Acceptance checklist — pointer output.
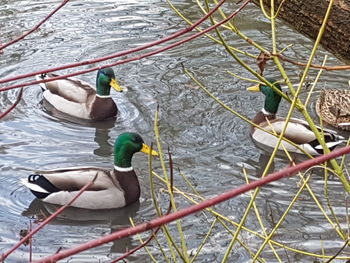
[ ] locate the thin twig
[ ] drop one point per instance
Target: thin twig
(30, 242)
(233, 223)
(123, 53)
(154, 233)
(347, 214)
(19, 97)
(289, 171)
(340, 250)
(47, 220)
(34, 28)
(328, 68)
(183, 254)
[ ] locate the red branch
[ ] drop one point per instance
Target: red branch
(30, 242)
(35, 28)
(128, 59)
(19, 97)
(119, 54)
(289, 171)
(46, 221)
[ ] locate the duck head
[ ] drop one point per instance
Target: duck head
(126, 145)
(105, 80)
(272, 98)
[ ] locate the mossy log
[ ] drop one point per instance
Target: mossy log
(306, 17)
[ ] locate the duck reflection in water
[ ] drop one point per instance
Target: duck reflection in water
(103, 128)
(105, 149)
(115, 219)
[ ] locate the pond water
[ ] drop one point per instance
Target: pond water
(209, 144)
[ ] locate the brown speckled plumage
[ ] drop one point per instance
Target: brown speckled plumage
(333, 106)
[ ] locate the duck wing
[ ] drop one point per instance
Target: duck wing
(299, 132)
(71, 89)
(75, 178)
(60, 186)
(296, 131)
(103, 199)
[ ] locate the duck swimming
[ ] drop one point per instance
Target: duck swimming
(333, 106)
(79, 99)
(111, 189)
(298, 131)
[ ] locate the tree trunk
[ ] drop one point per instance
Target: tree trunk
(306, 17)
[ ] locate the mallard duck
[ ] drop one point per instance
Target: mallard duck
(333, 106)
(79, 99)
(111, 189)
(298, 131)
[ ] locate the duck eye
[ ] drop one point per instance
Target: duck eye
(137, 140)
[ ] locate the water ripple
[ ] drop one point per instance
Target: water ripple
(210, 145)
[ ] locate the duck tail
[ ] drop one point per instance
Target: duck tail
(331, 145)
(344, 125)
(41, 77)
(39, 186)
(332, 141)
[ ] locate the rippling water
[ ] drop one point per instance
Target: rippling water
(209, 144)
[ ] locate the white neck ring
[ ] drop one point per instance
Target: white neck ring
(265, 112)
(104, 96)
(123, 169)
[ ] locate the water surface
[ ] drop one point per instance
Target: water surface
(209, 144)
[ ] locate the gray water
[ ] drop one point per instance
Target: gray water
(209, 144)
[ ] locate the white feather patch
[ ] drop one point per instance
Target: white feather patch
(72, 108)
(123, 169)
(266, 139)
(344, 124)
(104, 96)
(329, 144)
(294, 132)
(33, 187)
(325, 130)
(265, 112)
(270, 141)
(42, 85)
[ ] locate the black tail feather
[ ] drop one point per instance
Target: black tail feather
(43, 183)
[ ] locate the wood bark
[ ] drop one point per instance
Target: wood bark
(306, 17)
